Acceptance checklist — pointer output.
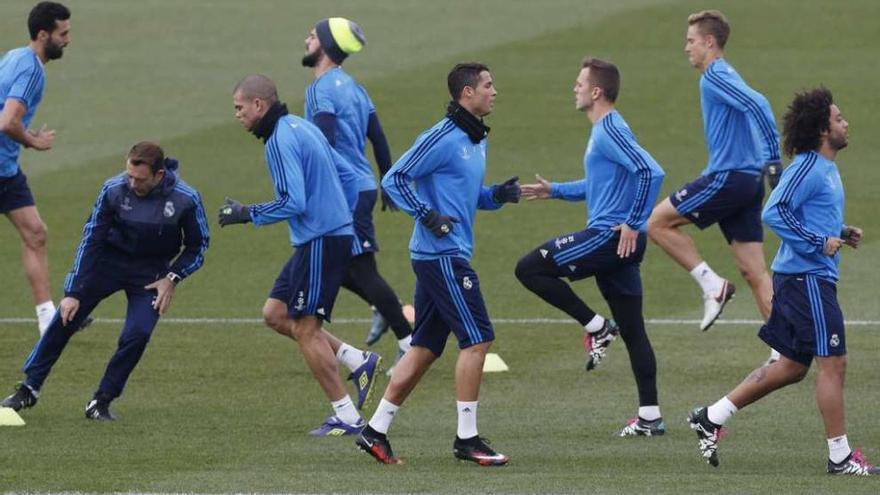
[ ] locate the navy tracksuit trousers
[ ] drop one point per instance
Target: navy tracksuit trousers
(116, 272)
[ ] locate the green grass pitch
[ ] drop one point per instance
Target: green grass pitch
(219, 408)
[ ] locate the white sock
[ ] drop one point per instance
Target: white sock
(349, 356)
(595, 324)
(838, 449)
(649, 413)
(467, 419)
(774, 355)
(721, 411)
(383, 416)
(405, 343)
(344, 409)
(709, 281)
(45, 313)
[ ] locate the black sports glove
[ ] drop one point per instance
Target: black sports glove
(232, 212)
(387, 202)
(773, 171)
(508, 192)
(439, 225)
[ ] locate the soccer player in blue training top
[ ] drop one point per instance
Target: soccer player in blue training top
(447, 164)
(342, 109)
(147, 232)
(741, 136)
(806, 323)
(22, 78)
(314, 193)
(621, 182)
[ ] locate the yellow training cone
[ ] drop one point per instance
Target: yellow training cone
(494, 362)
(8, 417)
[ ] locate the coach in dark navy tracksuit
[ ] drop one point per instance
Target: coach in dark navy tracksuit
(132, 241)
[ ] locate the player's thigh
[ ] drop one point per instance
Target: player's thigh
(665, 215)
(28, 222)
(624, 280)
(581, 254)
(140, 316)
(430, 330)
(15, 193)
(744, 225)
(454, 289)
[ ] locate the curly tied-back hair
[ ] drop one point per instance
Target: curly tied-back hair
(808, 116)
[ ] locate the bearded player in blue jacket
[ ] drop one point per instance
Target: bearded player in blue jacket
(806, 323)
(447, 163)
(344, 112)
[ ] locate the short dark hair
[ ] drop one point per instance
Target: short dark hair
(257, 86)
(711, 22)
(808, 115)
(603, 75)
(44, 15)
(464, 75)
(147, 153)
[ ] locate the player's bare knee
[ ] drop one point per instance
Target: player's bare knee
(752, 275)
(481, 348)
(799, 374)
(836, 365)
(794, 372)
(655, 227)
(35, 236)
(304, 329)
(275, 318)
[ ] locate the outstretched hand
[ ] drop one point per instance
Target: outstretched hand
(539, 190)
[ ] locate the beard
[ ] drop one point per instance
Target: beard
(311, 59)
(838, 142)
(53, 51)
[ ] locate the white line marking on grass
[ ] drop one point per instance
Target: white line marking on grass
(506, 321)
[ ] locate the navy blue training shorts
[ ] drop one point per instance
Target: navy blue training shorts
(729, 198)
(448, 298)
(15, 192)
(310, 280)
(805, 320)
